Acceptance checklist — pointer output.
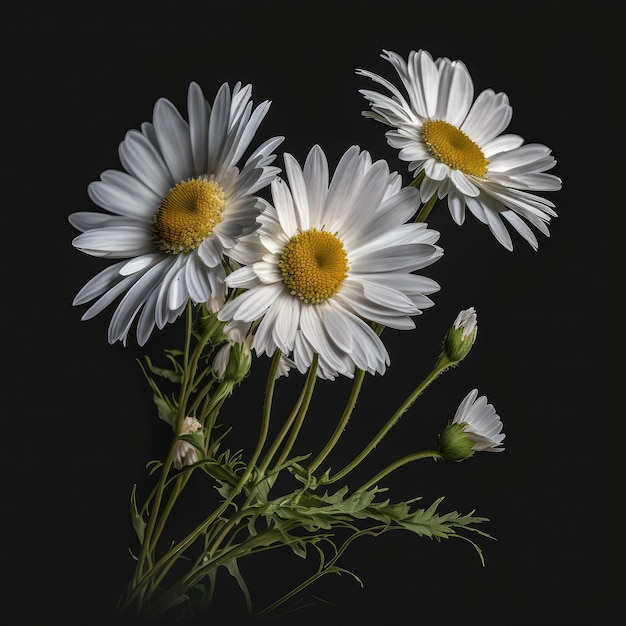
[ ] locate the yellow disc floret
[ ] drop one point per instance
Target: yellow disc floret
(453, 147)
(188, 214)
(314, 265)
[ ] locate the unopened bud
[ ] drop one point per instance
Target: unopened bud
(454, 444)
(461, 336)
(233, 361)
(186, 453)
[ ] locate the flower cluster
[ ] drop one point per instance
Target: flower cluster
(306, 264)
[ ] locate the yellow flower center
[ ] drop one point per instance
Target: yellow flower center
(453, 147)
(188, 214)
(314, 265)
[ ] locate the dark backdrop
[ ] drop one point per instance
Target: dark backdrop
(79, 425)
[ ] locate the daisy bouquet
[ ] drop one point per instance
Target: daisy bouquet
(302, 266)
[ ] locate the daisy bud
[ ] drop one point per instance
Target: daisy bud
(476, 427)
(186, 453)
(461, 336)
(233, 361)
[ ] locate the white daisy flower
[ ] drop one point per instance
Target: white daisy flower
(328, 258)
(480, 423)
(455, 143)
(180, 205)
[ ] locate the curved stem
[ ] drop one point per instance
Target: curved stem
(341, 426)
(442, 364)
(392, 467)
(299, 410)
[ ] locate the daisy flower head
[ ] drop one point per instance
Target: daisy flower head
(332, 254)
(181, 202)
(476, 427)
(454, 144)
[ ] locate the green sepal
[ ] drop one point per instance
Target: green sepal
(454, 444)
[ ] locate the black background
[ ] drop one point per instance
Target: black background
(78, 421)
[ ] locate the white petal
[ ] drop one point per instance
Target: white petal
(104, 281)
(251, 304)
(298, 189)
(244, 277)
(134, 299)
(199, 111)
(196, 279)
(115, 242)
(210, 251)
(502, 143)
(218, 126)
(489, 116)
(316, 178)
(123, 194)
(142, 160)
(285, 208)
(268, 272)
(140, 263)
(463, 183)
(173, 135)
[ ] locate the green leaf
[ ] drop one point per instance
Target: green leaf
(165, 410)
(233, 570)
(174, 376)
(138, 523)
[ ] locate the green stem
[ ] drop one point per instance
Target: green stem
(147, 547)
(202, 394)
(424, 212)
(416, 456)
(300, 411)
(251, 545)
(328, 568)
(442, 364)
(211, 417)
(226, 528)
(177, 489)
(139, 587)
(341, 426)
(417, 181)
